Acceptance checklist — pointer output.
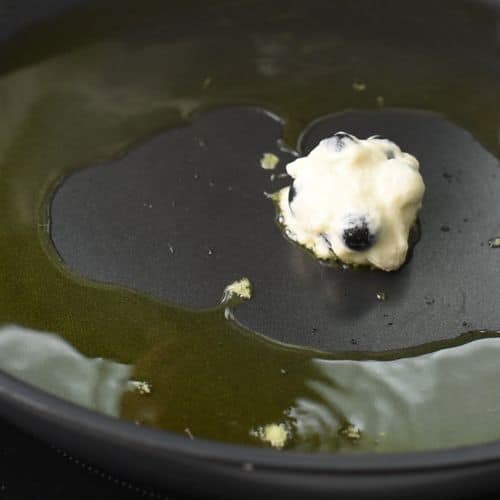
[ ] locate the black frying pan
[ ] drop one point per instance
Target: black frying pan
(455, 277)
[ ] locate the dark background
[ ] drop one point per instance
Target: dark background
(31, 470)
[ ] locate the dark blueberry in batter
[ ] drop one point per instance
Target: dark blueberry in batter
(343, 139)
(340, 139)
(390, 154)
(291, 193)
(357, 236)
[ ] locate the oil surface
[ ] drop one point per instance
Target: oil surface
(88, 86)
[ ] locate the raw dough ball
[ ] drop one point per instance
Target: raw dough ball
(353, 200)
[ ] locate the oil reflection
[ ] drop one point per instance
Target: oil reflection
(439, 399)
(50, 363)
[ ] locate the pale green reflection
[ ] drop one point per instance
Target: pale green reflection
(444, 398)
(50, 363)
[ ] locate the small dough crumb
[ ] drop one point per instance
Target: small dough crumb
(494, 242)
(351, 432)
(241, 288)
(275, 434)
(269, 161)
(140, 386)
(359, 86)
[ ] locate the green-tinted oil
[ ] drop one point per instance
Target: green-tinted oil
(88, 86)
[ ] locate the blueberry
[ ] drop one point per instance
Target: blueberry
(292, 192)
(358, 235)
(389, 154)
(339, 140)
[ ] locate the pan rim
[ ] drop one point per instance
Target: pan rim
(30, 401)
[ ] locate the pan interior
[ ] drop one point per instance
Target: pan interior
(130, 131)
(185, 213)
